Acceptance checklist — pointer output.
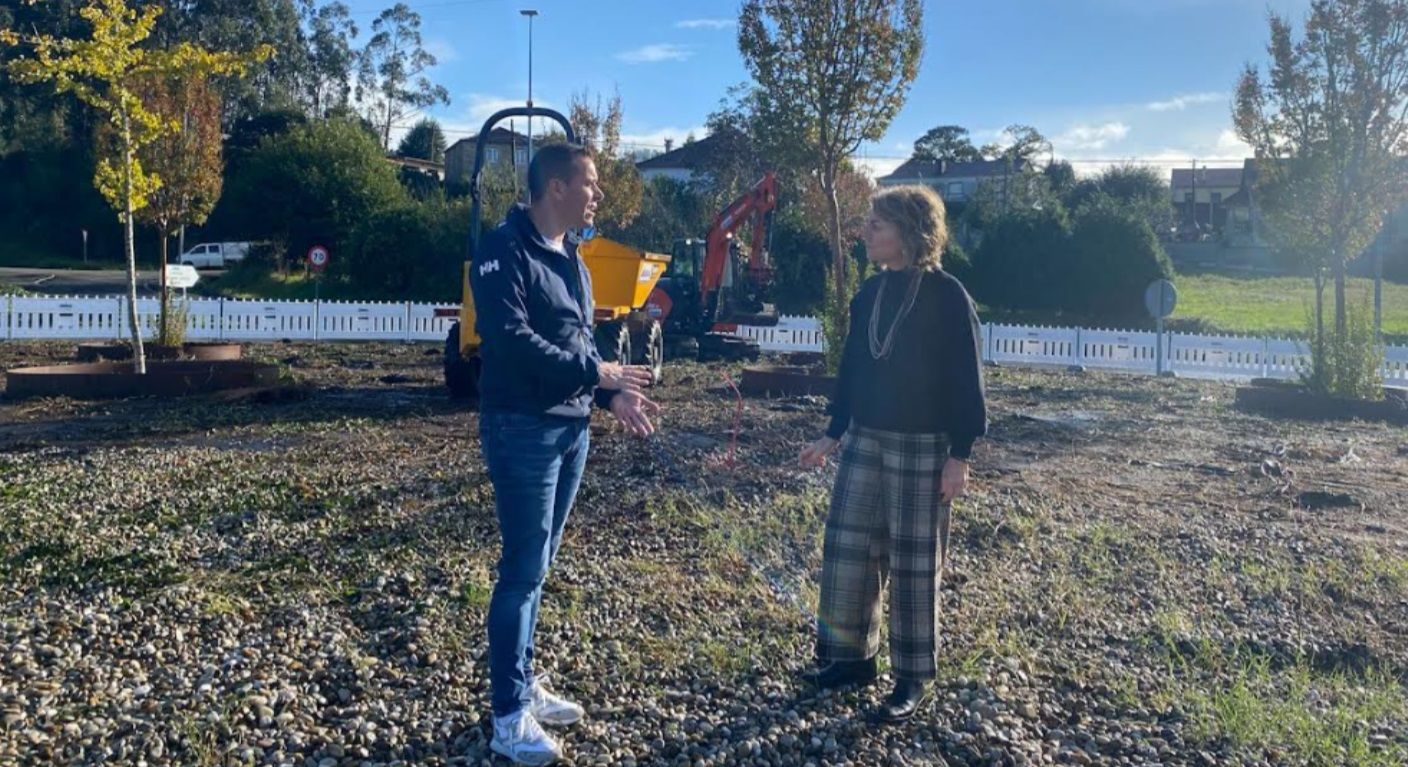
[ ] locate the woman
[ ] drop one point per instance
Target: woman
(909, 404)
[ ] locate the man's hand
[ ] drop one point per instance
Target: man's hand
(954, 480)
(633, 410)
(618, 377)
(815, 453)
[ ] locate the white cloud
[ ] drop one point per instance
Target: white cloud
(467, 121)
(705, 24)
(1229, 145)
(1090, 137)
(650, 54)
(443, 51)
(1164, 160)
(1182, 102)
(655, 140)
(875, 167)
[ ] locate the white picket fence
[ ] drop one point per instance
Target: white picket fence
(1194, 356)
(105, 317)
(215, 319)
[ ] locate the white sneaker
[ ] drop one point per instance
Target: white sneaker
(519, 737)
(550, 709)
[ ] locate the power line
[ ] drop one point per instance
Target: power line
(1202, 161)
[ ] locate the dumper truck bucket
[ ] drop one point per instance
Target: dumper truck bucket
(622, 276)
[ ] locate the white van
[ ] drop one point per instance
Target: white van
(215, 255)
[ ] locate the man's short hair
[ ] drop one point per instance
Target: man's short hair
(554, 161)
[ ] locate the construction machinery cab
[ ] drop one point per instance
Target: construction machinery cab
(711, 288)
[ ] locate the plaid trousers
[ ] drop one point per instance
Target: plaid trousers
(886, 523)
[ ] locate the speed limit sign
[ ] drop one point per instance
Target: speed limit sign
(317, 258)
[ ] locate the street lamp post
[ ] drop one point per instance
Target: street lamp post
(530, 13)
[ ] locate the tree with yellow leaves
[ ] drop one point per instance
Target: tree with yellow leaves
(106, 71)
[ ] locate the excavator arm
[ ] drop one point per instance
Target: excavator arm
(753, 206)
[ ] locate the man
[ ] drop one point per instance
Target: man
(541, 373)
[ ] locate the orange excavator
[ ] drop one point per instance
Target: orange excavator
(710, 288)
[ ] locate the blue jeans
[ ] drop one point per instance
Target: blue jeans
(535, 463)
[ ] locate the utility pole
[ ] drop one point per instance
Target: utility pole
(1193, 204)
(530, 13)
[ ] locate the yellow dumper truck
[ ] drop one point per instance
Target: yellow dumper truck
(622, 279)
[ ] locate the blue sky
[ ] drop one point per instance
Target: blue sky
(1106, 80)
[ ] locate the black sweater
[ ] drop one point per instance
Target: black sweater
(932, 381)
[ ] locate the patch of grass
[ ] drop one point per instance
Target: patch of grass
(21, 256)
(1322, 719)
(1271, 305)
(474, 592)
(1230, 303)
(254, 280)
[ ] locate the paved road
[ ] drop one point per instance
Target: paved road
(81, 282)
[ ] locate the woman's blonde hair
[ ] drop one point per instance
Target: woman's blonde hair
(918, 213)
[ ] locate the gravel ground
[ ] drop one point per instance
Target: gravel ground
(1141, 574)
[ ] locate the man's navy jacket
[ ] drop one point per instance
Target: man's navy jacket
(533, 312)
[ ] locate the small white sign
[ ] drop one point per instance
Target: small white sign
(181, 276)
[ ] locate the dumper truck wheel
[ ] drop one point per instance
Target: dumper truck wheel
(613, 342)
(650, 351)
(461, 374)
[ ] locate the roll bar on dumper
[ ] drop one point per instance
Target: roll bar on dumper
(622, 281)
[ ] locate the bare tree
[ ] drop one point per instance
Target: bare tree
(392, 83)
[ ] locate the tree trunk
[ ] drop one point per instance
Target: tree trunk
(165, 237)
(139, 354)
(833, 215)
(1341, 321)
(1319, 365)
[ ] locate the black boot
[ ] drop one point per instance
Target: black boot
(908, 696)
(839, 673)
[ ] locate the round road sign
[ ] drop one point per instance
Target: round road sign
(317, 257)
(1160, 298)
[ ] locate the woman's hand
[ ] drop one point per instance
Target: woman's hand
(954, 480)
(815, 453)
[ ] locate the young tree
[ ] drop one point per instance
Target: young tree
(186, 158)
(842, 69)
(425, 140)
(331, 58)
(105, 71)
(946, 142)
(1327, 126)
(392, 81)
(600, 129)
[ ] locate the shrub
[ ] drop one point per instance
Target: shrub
(1018, 265)
(1113, 257)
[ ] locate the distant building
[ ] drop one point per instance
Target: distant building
(1205, 198)
(684, 163)
(956, 182)
(503, 148)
